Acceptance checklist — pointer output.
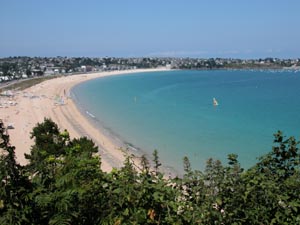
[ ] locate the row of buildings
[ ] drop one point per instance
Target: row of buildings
(12, 68)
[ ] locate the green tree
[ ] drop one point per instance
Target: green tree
(49, 144)
(78, 197)
(156, 161)
(66, 176)
(272, 185)
(15, 188)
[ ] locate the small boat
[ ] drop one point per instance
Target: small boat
(215, 102)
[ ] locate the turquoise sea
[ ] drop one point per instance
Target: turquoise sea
(173, 112)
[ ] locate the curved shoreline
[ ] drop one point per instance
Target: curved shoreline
(41, 100)
(124, 147)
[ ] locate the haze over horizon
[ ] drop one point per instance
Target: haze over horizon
(235, 29)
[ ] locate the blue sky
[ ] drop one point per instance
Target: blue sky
(134, 28)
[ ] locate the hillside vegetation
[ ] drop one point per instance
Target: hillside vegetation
(63, 184)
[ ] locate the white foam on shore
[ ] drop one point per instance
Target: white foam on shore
(90, 114)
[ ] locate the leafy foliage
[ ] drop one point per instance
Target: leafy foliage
(64, 184)
(15, 187)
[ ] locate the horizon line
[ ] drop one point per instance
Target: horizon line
(159, 57)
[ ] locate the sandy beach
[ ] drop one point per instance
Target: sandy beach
(51, 99)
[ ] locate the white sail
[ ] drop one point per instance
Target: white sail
(215, 102)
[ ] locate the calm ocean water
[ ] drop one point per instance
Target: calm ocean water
(173, 112)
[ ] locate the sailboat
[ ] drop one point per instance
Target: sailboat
(215, 102)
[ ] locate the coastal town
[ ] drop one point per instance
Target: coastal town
(15, 68)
